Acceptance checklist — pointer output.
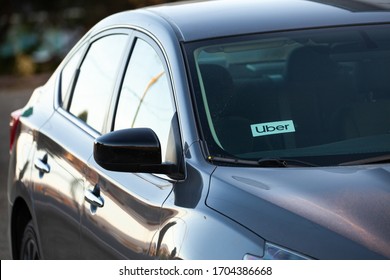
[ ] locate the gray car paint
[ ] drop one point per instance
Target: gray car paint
(324, 212)
(344, 216)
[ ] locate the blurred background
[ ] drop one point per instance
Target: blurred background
(36, 34)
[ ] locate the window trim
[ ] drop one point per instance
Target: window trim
(161, 54)
(87, 43)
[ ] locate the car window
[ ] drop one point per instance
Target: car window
(96, 80)
(145, 99)
(68, 73)
(319, 96)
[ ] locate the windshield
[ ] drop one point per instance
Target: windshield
(322, 96)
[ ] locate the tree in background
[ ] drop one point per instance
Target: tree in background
(36, 34)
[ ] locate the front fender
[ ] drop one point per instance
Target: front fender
(205, 235)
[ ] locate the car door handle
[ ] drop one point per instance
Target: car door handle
(93, 197)
(42, 165)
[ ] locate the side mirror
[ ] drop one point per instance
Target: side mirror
(131, 150)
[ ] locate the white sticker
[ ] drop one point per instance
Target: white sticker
(263, 129)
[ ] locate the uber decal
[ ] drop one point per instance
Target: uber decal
(263, 129)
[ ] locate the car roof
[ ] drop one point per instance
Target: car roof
(197, 20)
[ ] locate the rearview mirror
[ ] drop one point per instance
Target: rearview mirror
(131, 150)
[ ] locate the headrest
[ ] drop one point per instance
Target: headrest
(310, 64)
(218, 85)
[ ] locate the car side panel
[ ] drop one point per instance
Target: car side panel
(131, 215)
(197, 231)
(59, 192)
(20, 201)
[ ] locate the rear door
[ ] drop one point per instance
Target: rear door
(57, 176)
(130, 213)
(65, 142)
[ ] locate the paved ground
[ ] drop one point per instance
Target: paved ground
(14, 93)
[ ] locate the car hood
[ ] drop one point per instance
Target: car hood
(325, 213)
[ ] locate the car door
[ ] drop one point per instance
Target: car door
(124, 210)
(57, 177)
(64, 143)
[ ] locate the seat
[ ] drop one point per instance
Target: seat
(370, 114)
(231, 131)
(314, 93)
(367, 119)
(219, 88)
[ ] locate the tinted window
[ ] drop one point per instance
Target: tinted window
(68, 72)
(145, 99)
(96, 80)
(321, 96)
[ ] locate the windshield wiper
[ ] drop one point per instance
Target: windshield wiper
(264, 162)
(284, 162)
(370, 160)
(232, 160)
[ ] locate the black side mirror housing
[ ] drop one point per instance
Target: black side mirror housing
(131, 150)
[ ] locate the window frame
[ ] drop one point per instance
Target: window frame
(157, 48)
(211, 148)
(63, 107)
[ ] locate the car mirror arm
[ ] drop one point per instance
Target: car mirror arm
(163, 168)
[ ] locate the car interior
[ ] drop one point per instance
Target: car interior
(331, 90)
